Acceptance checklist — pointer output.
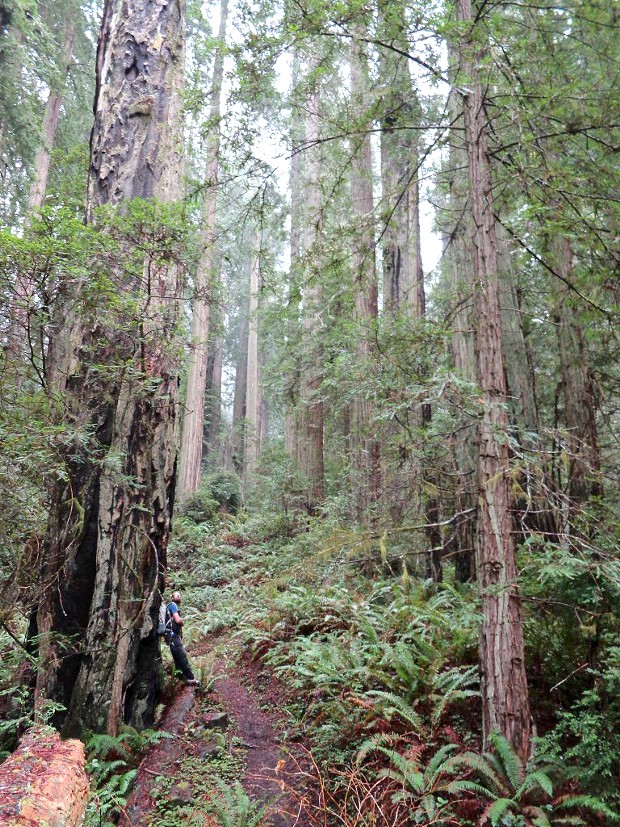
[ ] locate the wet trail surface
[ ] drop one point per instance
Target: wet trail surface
(237, 725)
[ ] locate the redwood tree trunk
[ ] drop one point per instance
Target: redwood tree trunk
(190, 459)
(311, 460)
(291, 394)
(253, 399)
(366, 449)
(505, 701)
(238, 413)
(19, 335)
(579, 410)
(50, 123)
(108, 533)
(403, 279)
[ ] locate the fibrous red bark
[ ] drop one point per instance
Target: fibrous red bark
(505, 701)
(110, 518)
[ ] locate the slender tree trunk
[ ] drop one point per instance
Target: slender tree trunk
(579, 410)
(253, 404)
(50, 123)
(403, 278)
(190, 460)
(505, 700)
(311, 459)
(291, 400)
(108, 533)
(367, 450)
(238, 414)
(519, 370)
(19, 336)
(214, 406)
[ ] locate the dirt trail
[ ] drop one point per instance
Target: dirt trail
(268, 767)
(228, 728)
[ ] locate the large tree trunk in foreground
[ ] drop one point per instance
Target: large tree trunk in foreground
(505, 701)
(118, 378)
(190, 459)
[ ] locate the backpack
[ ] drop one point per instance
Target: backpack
(164, 619)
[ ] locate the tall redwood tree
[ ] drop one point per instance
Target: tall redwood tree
(106, 543)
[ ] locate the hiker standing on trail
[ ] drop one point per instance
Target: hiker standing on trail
(174, 638)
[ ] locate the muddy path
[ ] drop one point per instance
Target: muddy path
(224, 744)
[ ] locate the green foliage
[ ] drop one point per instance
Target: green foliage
(234, 808)
(220, 491)
(112, 765)
(519, 794)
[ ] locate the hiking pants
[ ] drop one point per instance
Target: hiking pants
(179, 655)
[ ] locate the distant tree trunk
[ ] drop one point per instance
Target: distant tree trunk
(311, 461)
(505, 700)
(291, 401)
(213, 422)
(190, 459)
(50, 122)
(367, 449)
(519, 371)
(579, 410)
(253, 399)
(403, 279)
(19, 334)
(238, 413)
(107, 537)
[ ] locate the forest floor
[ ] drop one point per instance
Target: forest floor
(225, 750)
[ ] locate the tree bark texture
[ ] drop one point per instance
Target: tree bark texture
(190, 459)
(311, 459)
(367, 449)
(505, 700)
(519, 371)
(108, 533)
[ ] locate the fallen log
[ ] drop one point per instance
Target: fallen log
(44, 782)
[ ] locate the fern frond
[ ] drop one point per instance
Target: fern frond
(438, 766)
(587, 802)
(409, 777)
(452, 684)
(535, 779)
(479, 764)
(102, 745)
(463, 785)
(496, 810)
(391, 704)
(376, 742)
(510, 761)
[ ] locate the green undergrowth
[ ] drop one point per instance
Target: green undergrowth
(381, 670)
(182, 789)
